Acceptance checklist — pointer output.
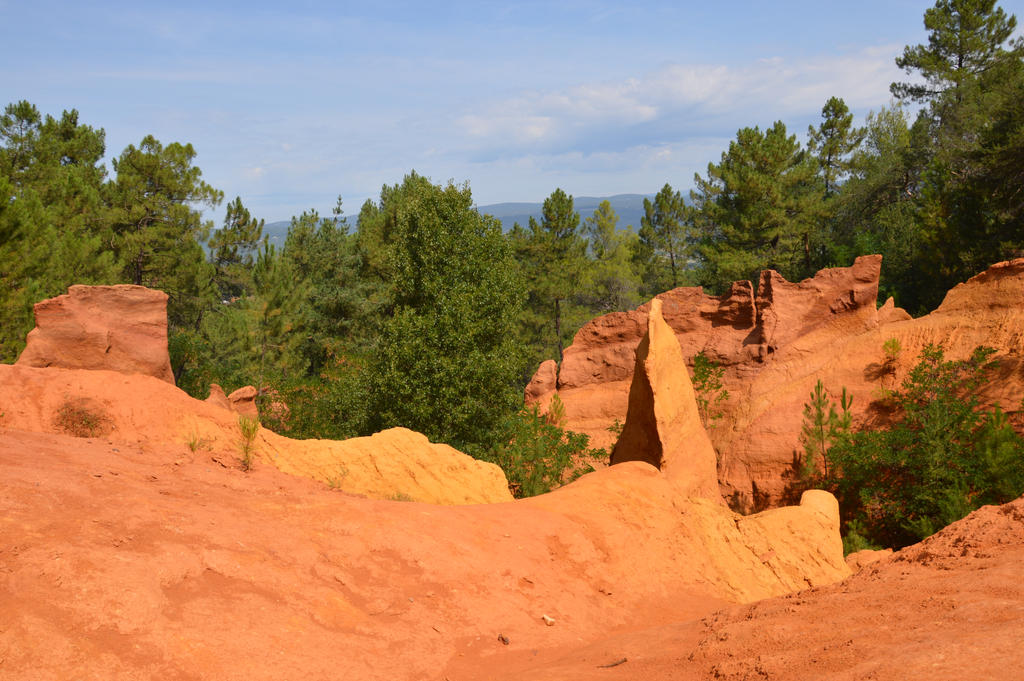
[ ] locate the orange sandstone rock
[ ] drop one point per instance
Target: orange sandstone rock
(662, 424)
(145, 412)
(776, 345)
(119, 328)
(243, 401)
(217, 397)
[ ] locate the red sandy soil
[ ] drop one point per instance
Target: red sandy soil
(951, 607)
(141, 561)
(121, 562)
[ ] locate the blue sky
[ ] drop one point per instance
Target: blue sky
(288, 108)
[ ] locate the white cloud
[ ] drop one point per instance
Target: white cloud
(676, 97)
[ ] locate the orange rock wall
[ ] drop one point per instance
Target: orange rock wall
(775, 345)
(118, 328)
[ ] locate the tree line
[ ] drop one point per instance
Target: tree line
(421, 312)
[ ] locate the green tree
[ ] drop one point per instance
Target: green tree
(757, 208)
(823, 427)
(447, 361)
(970, 69)
(833, 142)
(233, 250)
(943, 456)
(53, 220)
(708, 388)
(664, 235)
(552, 258)
(156, 222)
(965, 39)
(611, 284)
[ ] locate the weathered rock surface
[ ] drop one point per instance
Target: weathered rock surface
(142, 560)
(662, 424)
(858, 560)
(143, 411)
(217, 397)
(947, 608)
(118, 328)
(243, 401)
(776, 345)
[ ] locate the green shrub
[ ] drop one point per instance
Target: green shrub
(708, 389)
(249, 428)
(537, 455)
(942, 458)
(822, 428)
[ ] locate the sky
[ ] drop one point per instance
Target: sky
(289, 108)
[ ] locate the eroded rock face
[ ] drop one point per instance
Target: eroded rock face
(662, 425)
(243, 401)
(146, 412)
(117, 328)
(775, 345)
(217, 397)
(543, 384)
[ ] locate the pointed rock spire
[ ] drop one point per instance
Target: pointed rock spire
(663, 426)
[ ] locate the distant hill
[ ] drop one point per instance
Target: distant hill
(629, 208)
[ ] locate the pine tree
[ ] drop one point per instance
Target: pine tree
(664, 234)
(552, 257)
(965, 39)
(233, 250)
(756, 208)
(610, 282)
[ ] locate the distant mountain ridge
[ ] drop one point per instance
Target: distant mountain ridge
(629, 208)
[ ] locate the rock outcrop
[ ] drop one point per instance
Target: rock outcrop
(947, 608)
(117, 328)
(775, 345)
(243, 401)
(144, 412)
(133, 560)
(662, 425)
(217, 397)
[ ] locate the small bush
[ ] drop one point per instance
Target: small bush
(249, 428)
(537, 455)
(942, 458)
(892, 349)
(80, 417)
(708, 388)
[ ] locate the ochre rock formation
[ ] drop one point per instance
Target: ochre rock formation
(947, 608)
(217, 397)
(543, 384)
(662, 425)
(775, 345)
(128, 553)
(137, 560)
(243, 401)
(145, 412)
(119, 328)
(858, 560)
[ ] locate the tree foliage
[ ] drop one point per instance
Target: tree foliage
(943, 456)
(666, 238)
(757, 208)
(447, 361)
